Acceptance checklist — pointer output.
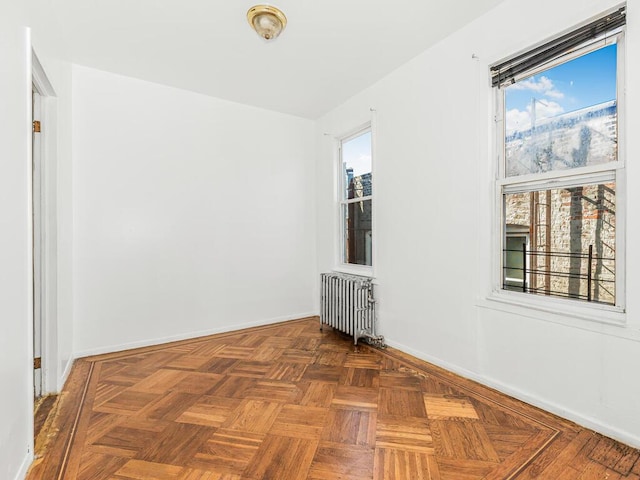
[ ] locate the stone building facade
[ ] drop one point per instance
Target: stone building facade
(559, 229)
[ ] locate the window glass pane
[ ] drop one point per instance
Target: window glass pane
(356, 164)
(564, 117)
(357, 241)
(571, 236)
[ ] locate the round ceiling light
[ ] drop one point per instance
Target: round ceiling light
(267, 21)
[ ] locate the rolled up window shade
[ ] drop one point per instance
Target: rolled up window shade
(506, 72)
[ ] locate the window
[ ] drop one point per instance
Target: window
(356, 194)
(516, 243)
(558, 120)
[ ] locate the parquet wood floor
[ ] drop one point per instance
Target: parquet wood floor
(288, 402)
(41, 410)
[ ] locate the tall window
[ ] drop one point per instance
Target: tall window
(558, 120)
(356, 198)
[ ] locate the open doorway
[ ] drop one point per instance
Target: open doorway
(44, 221)
(44, 207)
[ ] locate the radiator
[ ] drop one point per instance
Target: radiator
(347, 304)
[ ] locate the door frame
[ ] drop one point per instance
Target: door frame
(45, 286)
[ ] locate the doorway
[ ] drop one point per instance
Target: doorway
(44, 228)
(45, 271)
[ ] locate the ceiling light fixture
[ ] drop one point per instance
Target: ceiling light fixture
(267, 21)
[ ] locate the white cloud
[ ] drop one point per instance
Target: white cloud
(554, 94)
(519, 120)
(547, 109)
(543, 86)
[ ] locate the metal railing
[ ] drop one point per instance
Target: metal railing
(578, 281)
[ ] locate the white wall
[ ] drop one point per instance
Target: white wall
(64, 234)
(16, 423)
(192, 214)
(433, 194)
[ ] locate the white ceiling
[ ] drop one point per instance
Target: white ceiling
(330, 50)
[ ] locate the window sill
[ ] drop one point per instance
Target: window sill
(593, 312)
(605, 319)
(362, 270)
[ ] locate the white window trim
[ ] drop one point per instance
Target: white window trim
(340, 264)
(593, 312)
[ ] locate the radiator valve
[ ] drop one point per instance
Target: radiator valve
(374, 340)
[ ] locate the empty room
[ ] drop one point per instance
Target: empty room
(319, 240)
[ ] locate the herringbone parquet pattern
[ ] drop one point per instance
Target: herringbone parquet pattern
(289, 402)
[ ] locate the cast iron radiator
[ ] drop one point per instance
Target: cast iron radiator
(347, 304)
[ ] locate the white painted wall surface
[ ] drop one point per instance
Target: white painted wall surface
(16, 421)
(64, 305)
(433, 193)
(192, 215)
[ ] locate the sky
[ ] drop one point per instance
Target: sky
(357, 154)
(579, 83)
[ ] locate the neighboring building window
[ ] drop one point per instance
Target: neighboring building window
(558, 123)
(516, 244)
(356, 194)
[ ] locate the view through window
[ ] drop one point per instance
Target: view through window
(356, 199)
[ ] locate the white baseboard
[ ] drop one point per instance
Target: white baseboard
(187, 336)
(24, 467)
(65, 374)
(583, 420)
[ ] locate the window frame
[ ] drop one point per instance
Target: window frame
(340, 259)
(587, 175)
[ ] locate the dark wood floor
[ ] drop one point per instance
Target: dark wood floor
(288, 402)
